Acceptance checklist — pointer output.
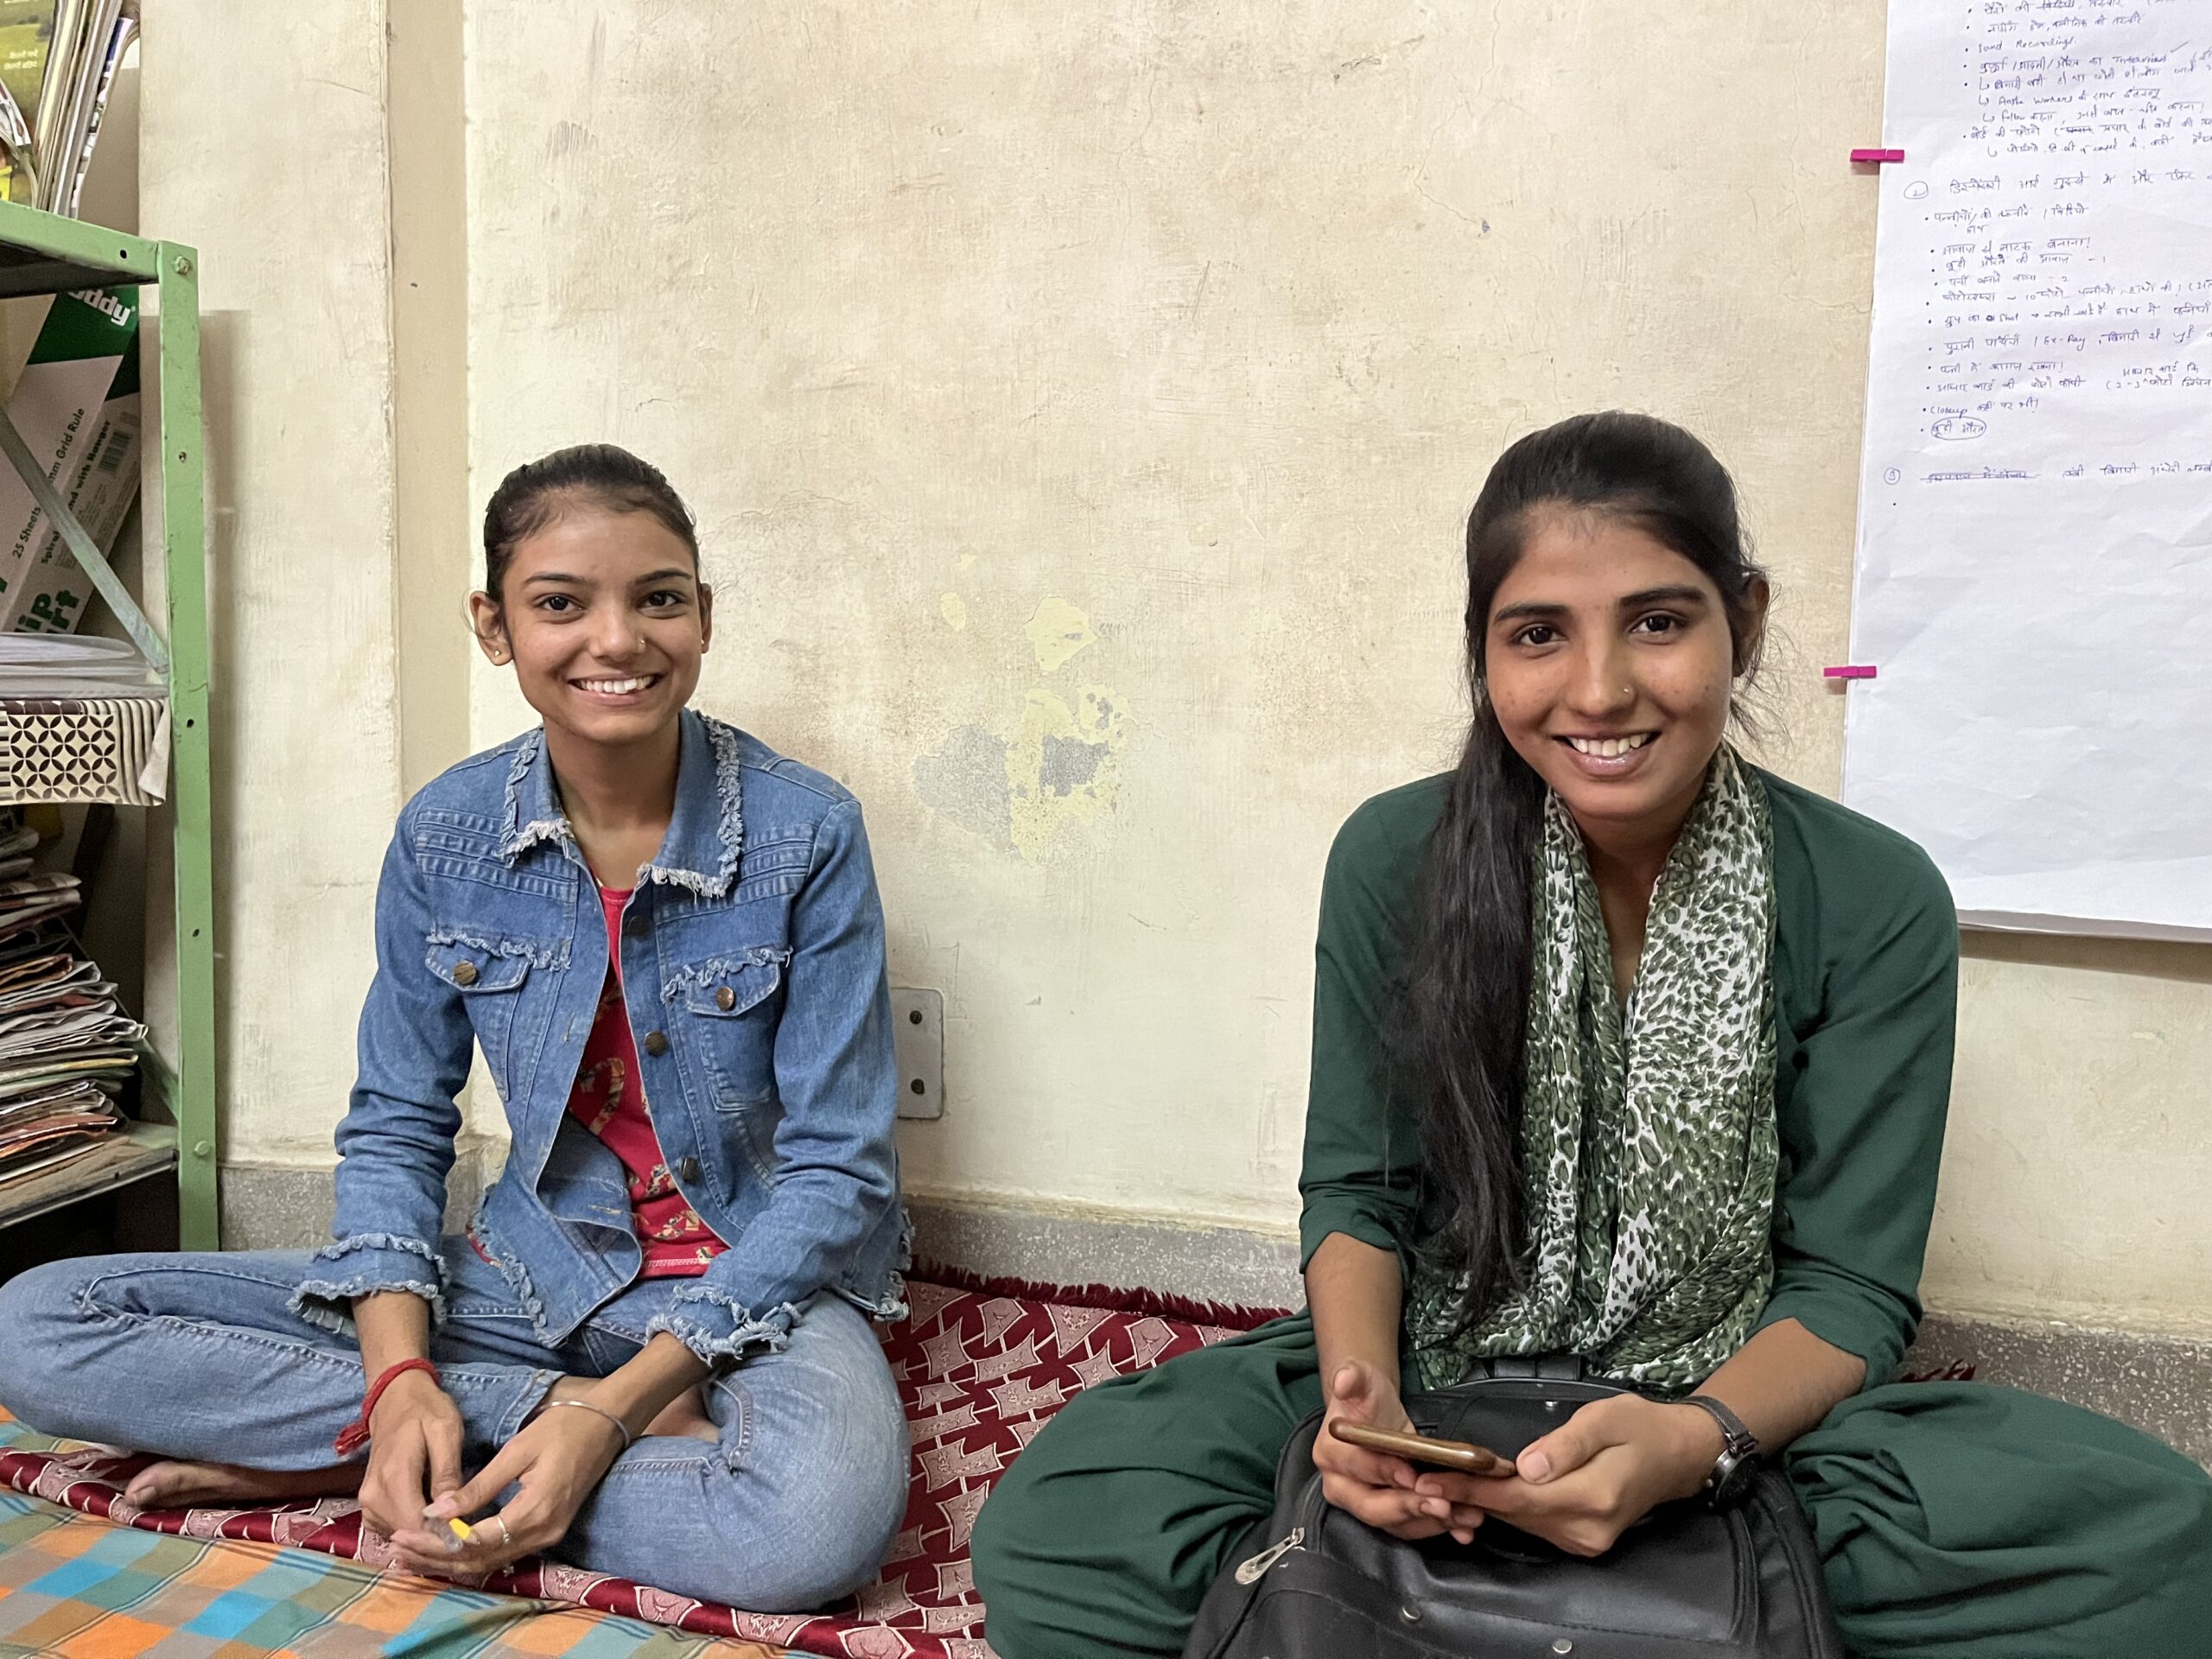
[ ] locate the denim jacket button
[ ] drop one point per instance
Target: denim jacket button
(725, 998)
(687, 1169)
(656, 1042)
(637, 927)
(464, 973)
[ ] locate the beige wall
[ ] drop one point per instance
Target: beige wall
(2080, 1154)
(262, 143)
(1079, 405)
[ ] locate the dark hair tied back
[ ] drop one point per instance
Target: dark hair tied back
(601, 475)
(1456, 1045)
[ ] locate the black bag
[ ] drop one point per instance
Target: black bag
(1689, 1582)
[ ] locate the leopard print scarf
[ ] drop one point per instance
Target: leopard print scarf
(1648, 1141)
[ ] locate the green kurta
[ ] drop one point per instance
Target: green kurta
(1105, 1533)
(1865, 975)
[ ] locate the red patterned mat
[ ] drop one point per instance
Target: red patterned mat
(980, 1366)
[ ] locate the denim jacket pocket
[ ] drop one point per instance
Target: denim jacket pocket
(475, 973)
(731, 1010)
(489, 977)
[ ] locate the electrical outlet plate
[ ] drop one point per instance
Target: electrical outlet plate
(918, 1034)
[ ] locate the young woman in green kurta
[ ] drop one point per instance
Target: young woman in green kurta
(1626, 1048)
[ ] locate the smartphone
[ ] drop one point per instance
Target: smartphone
(1419, 1448)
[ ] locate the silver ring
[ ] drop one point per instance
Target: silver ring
(507, 1538)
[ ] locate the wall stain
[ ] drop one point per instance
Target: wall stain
(964, 779)
(1057, 633)
(1060, 767)
(1069, 764)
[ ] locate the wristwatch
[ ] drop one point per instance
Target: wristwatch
(1737, 1466)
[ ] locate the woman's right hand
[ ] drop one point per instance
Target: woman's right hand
(414, 1453)
(1373, 1486)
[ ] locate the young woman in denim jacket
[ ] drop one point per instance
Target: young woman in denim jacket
(650, 1355)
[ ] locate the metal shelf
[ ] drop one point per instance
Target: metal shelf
(130, 1153)
(45, 253)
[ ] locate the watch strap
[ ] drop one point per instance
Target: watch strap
(1739, 1449)
(1736, 1440)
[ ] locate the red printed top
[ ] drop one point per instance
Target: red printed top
(608, 1099)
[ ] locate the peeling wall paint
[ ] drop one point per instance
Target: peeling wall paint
(1059, 633)
(1056, 766)
(1059, 767)
(965, 778)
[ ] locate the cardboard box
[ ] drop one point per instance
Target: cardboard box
(77, 406)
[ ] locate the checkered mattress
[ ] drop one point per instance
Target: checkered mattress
(74, 1587)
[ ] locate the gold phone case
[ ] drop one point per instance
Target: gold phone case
(1417, 1448)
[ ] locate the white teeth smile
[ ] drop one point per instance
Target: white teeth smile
(617, 688)
(1608, 748)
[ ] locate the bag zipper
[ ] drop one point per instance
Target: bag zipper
(1249, 1572)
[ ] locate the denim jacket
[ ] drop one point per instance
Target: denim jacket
(753, 967)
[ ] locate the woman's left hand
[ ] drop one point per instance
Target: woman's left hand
(1591, 1479)
(557, 1459)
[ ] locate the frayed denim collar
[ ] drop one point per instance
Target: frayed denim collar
(534, 811)
(705, 837)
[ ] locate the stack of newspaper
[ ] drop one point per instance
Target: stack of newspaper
(58, 60)
(66, 1046)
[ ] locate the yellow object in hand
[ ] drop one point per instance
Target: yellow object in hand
(461, 1529)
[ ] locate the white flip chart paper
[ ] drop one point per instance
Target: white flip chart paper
(2035, 527)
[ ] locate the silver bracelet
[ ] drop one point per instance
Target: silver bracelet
(621, 1427)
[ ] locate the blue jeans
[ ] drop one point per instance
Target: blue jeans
(197, 1356)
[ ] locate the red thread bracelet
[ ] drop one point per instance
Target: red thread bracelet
(355, 1434)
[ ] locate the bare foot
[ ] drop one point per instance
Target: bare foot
(174, 1483)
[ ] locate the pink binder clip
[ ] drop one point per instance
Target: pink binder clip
(1875, 157)
(1849, 671)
